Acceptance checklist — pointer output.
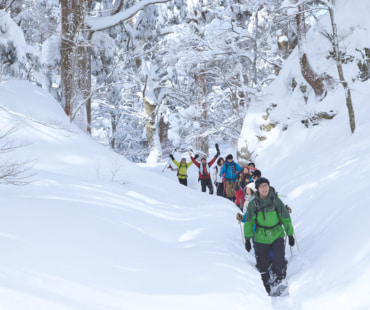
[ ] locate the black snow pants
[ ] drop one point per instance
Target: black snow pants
(183, 181)
(278, 262)
(207, 183)
(220, 189)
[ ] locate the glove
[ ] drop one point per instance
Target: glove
(239, 217)
(196, 156)
(291, 240)
(171, 156)
(248, 245)
(217, 149)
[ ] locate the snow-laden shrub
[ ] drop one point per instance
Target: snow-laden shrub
(12, 48)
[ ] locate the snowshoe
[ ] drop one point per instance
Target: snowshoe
(279, 289)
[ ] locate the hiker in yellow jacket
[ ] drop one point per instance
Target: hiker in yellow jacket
(182, 169)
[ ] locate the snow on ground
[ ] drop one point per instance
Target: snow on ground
(94, 231)
(323, 172)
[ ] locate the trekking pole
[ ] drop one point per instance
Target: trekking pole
(285, 243)
(291, 252)
(295, 237)
(296, 241)
(169, 160)
(168, 163)
(241, 230)
(165, 166)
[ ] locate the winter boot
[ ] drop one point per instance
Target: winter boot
(268, 288)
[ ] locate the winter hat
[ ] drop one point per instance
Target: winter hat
(252, 186)
(203, 158)
(260, 181)
(183, 159)
(229, 157)
(257, 173)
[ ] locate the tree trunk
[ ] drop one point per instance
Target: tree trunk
(255, 56)
(71, 20)
(75, 63)
(201, 98)
(113, 119)
(152, 131)
(344, 83)
(312, 78)
(163, 131)
(84, 84)
(150, 122)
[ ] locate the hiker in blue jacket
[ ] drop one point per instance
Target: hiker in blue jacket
(230, 172)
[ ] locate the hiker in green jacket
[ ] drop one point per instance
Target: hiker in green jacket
(182, 169)
(272, 221)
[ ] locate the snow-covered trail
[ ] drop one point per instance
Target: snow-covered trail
(77, 238)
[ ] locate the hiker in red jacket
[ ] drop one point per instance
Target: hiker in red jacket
(204, 171)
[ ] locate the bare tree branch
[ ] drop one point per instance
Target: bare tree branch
(14, 172)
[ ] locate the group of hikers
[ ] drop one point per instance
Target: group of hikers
(266, 218)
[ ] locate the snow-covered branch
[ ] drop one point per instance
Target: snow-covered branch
(105, 22)
(326, 3)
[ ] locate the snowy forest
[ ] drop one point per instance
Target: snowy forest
(96, 95)
(146, 77)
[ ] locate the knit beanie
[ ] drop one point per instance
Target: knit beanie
(257, 173)
(260, 181)
(229, 157)
(252, 186)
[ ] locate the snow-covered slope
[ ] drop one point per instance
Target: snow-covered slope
(75, 239)
(322, 170)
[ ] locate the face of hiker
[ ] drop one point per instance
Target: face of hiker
(203, 161)
(264, 189)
